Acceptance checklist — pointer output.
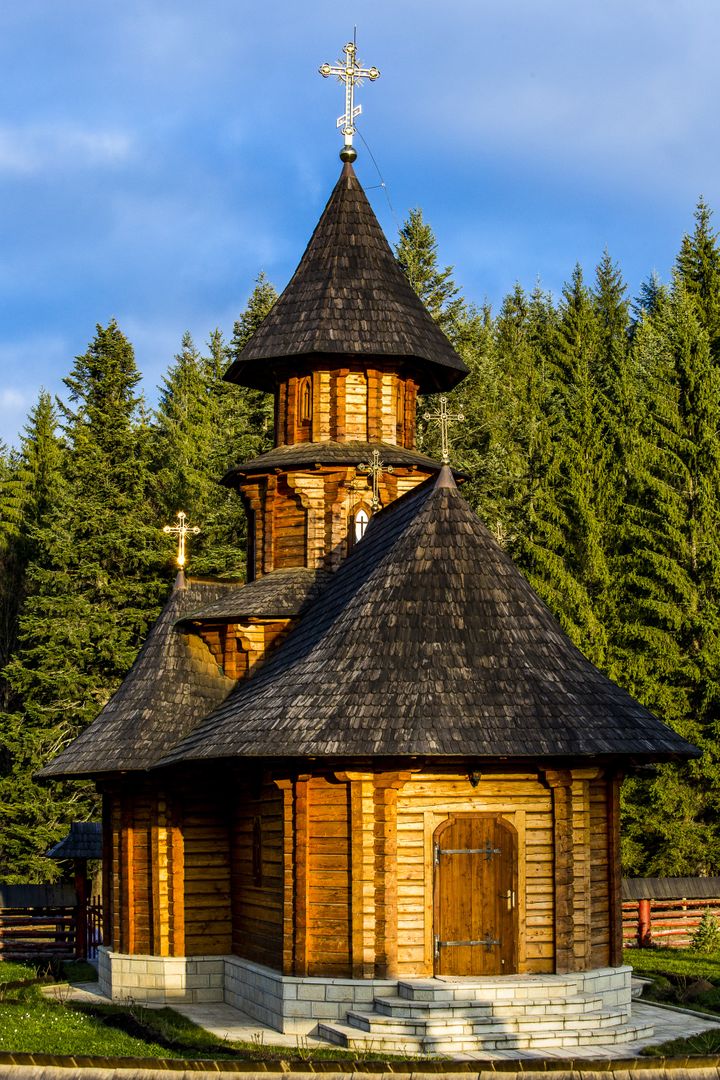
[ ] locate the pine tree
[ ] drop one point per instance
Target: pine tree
(416, 251)
(670, 582)
(29, 483)
(698, 270)
(93, 588)
(247, 414)
(567, 561)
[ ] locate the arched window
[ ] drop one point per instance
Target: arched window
(400, 409)
(305, 401)
(360, 524)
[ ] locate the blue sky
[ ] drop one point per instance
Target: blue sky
(154, 156)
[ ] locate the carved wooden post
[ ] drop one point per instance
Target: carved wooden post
(644, 928)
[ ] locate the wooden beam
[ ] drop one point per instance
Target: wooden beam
(127, 878)
(108, 859)
(288, 857)
(177, 880)
(560, 782)
(614, 869)
(302, 878)
(386, 892)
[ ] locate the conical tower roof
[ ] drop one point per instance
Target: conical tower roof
(172, 685)
(348, 297)
(428, 641)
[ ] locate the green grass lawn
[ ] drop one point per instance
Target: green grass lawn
(10, 972)
(674, 962)
(32, 1023)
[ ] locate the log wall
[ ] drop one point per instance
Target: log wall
(361, 402)
(328, 879)
(257, 876)
(206, 836)
(332, 875)
(303, 519)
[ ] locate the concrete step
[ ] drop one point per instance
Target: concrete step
(409, 1008)
(496, 988)
(484, 1026)
(352, 1038)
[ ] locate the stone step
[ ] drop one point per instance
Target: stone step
(484, 1026)
(568, 1037)
(496, 988)
(345, 1035)
(408, 1008)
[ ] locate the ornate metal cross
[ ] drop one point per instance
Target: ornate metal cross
(375, 469)
(350, 72)
(181, 530)
(444, 419)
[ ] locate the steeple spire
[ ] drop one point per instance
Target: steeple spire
(351, 73)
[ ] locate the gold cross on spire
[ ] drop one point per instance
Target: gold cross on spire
(350, 72)
(444, 419)
(181, 530)
(375, 469)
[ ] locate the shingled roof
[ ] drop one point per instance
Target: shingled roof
(428, 641)
(277, 595)
(172, 685)
(348, 297)
(305, 455)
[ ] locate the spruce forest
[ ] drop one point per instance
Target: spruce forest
(591, 447)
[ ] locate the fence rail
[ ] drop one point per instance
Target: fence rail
(664, 922)
(59, 932)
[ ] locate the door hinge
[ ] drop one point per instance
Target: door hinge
(487, 941)
(487, 851)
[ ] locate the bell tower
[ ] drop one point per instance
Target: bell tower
(345, 351)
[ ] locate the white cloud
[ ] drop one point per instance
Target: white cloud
(29, 149)
(11, 399)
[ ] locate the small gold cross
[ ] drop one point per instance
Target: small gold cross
(444, 419)
(375, 469)
(181, 530)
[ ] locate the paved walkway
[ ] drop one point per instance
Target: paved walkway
(229, 1023)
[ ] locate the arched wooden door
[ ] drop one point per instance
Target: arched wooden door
(475, 906)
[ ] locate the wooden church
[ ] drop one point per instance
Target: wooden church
(373, 792)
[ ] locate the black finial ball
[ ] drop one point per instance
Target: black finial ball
(348, 153)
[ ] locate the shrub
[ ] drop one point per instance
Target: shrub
(706, 938)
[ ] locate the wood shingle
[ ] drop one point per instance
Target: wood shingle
(172, 685)
(428, 641)
(348, 297)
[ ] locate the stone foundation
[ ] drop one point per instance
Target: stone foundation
(294, 1005)
(161, 980)
(298, 1005)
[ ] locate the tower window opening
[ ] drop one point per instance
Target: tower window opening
(400, 408)
(305, 396)
(360, 524)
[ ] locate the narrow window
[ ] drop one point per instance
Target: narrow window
(360, 524)
(400, 410)
(305, 396)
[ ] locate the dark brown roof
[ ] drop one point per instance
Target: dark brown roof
(277, 595)
(428, 641)
(84, 841)
(348, 297)
(671, 888)
(304, 455)
(172, 685)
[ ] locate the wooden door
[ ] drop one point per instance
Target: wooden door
(475, 924)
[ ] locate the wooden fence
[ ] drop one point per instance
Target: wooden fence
(36, 921)
(670, 923)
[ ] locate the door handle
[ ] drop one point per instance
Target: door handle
(509, 896)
